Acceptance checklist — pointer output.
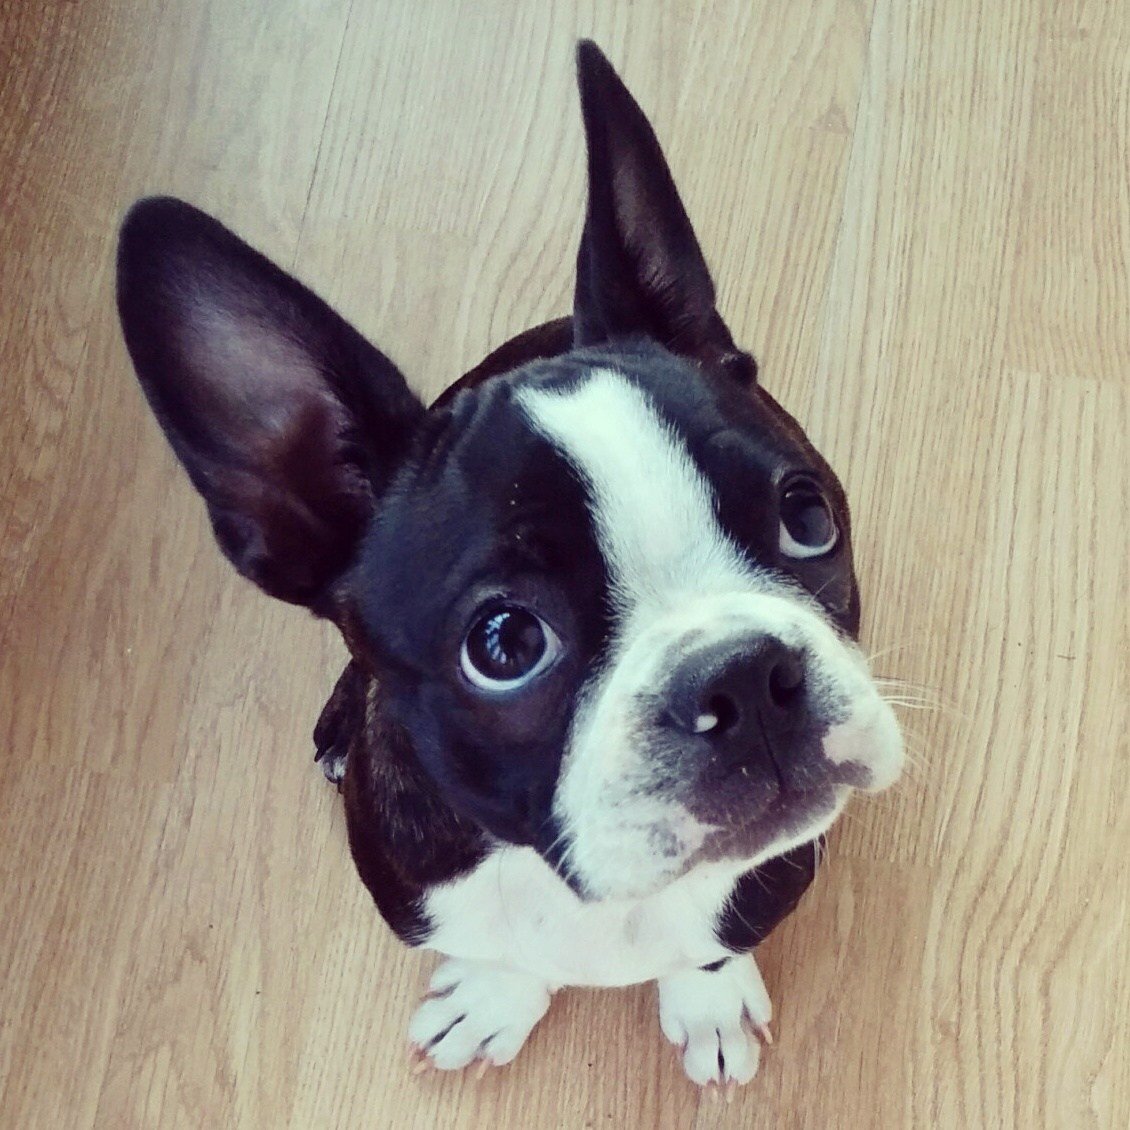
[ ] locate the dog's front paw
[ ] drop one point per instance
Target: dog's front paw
(342, 718)
(475, 1010)
(710, 1016)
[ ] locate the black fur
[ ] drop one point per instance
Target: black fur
(287, 420)
(764, 897)
(507, 514)
(316, 463)
(640, 270)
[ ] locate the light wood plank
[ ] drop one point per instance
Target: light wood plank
(919, 216)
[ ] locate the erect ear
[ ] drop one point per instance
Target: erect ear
(640, 269)
(288, 422)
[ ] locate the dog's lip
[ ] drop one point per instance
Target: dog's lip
(791, 801)
(786, 800)
(817, 813)
(787, 805)
(787, 792)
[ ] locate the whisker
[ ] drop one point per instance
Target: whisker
(909, 703)
(911, 692)
(903, 690)
(816, 594)
(907, 684)
(883, 652)
(823, 855)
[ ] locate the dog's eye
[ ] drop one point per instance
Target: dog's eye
(808, 527)
(506, 648)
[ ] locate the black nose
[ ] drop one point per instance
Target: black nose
(741, 697)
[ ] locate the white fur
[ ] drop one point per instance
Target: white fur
(654, 511)
(516, 933)
(706, 1015)
(477, 1010)
(514, 909)
(871, 737)
(676, 581)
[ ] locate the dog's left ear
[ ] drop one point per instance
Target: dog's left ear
(640, 270)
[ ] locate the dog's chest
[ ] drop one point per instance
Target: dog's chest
(512, 908)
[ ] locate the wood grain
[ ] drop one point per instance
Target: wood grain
(919, 216)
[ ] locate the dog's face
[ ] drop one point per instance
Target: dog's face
(608, 594)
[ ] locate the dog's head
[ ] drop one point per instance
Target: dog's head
(608, 593)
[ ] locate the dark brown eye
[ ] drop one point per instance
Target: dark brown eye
(506, 648)
(808, 526)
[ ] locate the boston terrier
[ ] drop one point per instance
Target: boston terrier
(604, 696)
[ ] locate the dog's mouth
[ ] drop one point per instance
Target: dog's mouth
(644, 858)
(641, 839)
(792, 817)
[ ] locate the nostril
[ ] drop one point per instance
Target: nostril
(786, 682)
(729, 697)
(719, 715)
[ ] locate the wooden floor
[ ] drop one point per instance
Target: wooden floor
(919, 216)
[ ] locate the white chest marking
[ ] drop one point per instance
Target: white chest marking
(514, 909)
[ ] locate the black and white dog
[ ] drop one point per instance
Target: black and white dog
(604, 696)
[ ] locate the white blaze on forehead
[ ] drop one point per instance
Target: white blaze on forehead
(653, 509)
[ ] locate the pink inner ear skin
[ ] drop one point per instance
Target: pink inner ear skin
(250, 380)
(267, 404)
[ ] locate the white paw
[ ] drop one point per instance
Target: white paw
(709, 1016)
(476, 1011)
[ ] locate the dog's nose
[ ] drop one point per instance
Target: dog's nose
(740, 698)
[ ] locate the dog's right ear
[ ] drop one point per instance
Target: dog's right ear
(640, 269)
(289, 423)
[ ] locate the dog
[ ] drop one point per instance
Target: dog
(604, 697)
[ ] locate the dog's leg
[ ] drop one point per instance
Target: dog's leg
(341, 719)
(476, 1011)
(709, 1013)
